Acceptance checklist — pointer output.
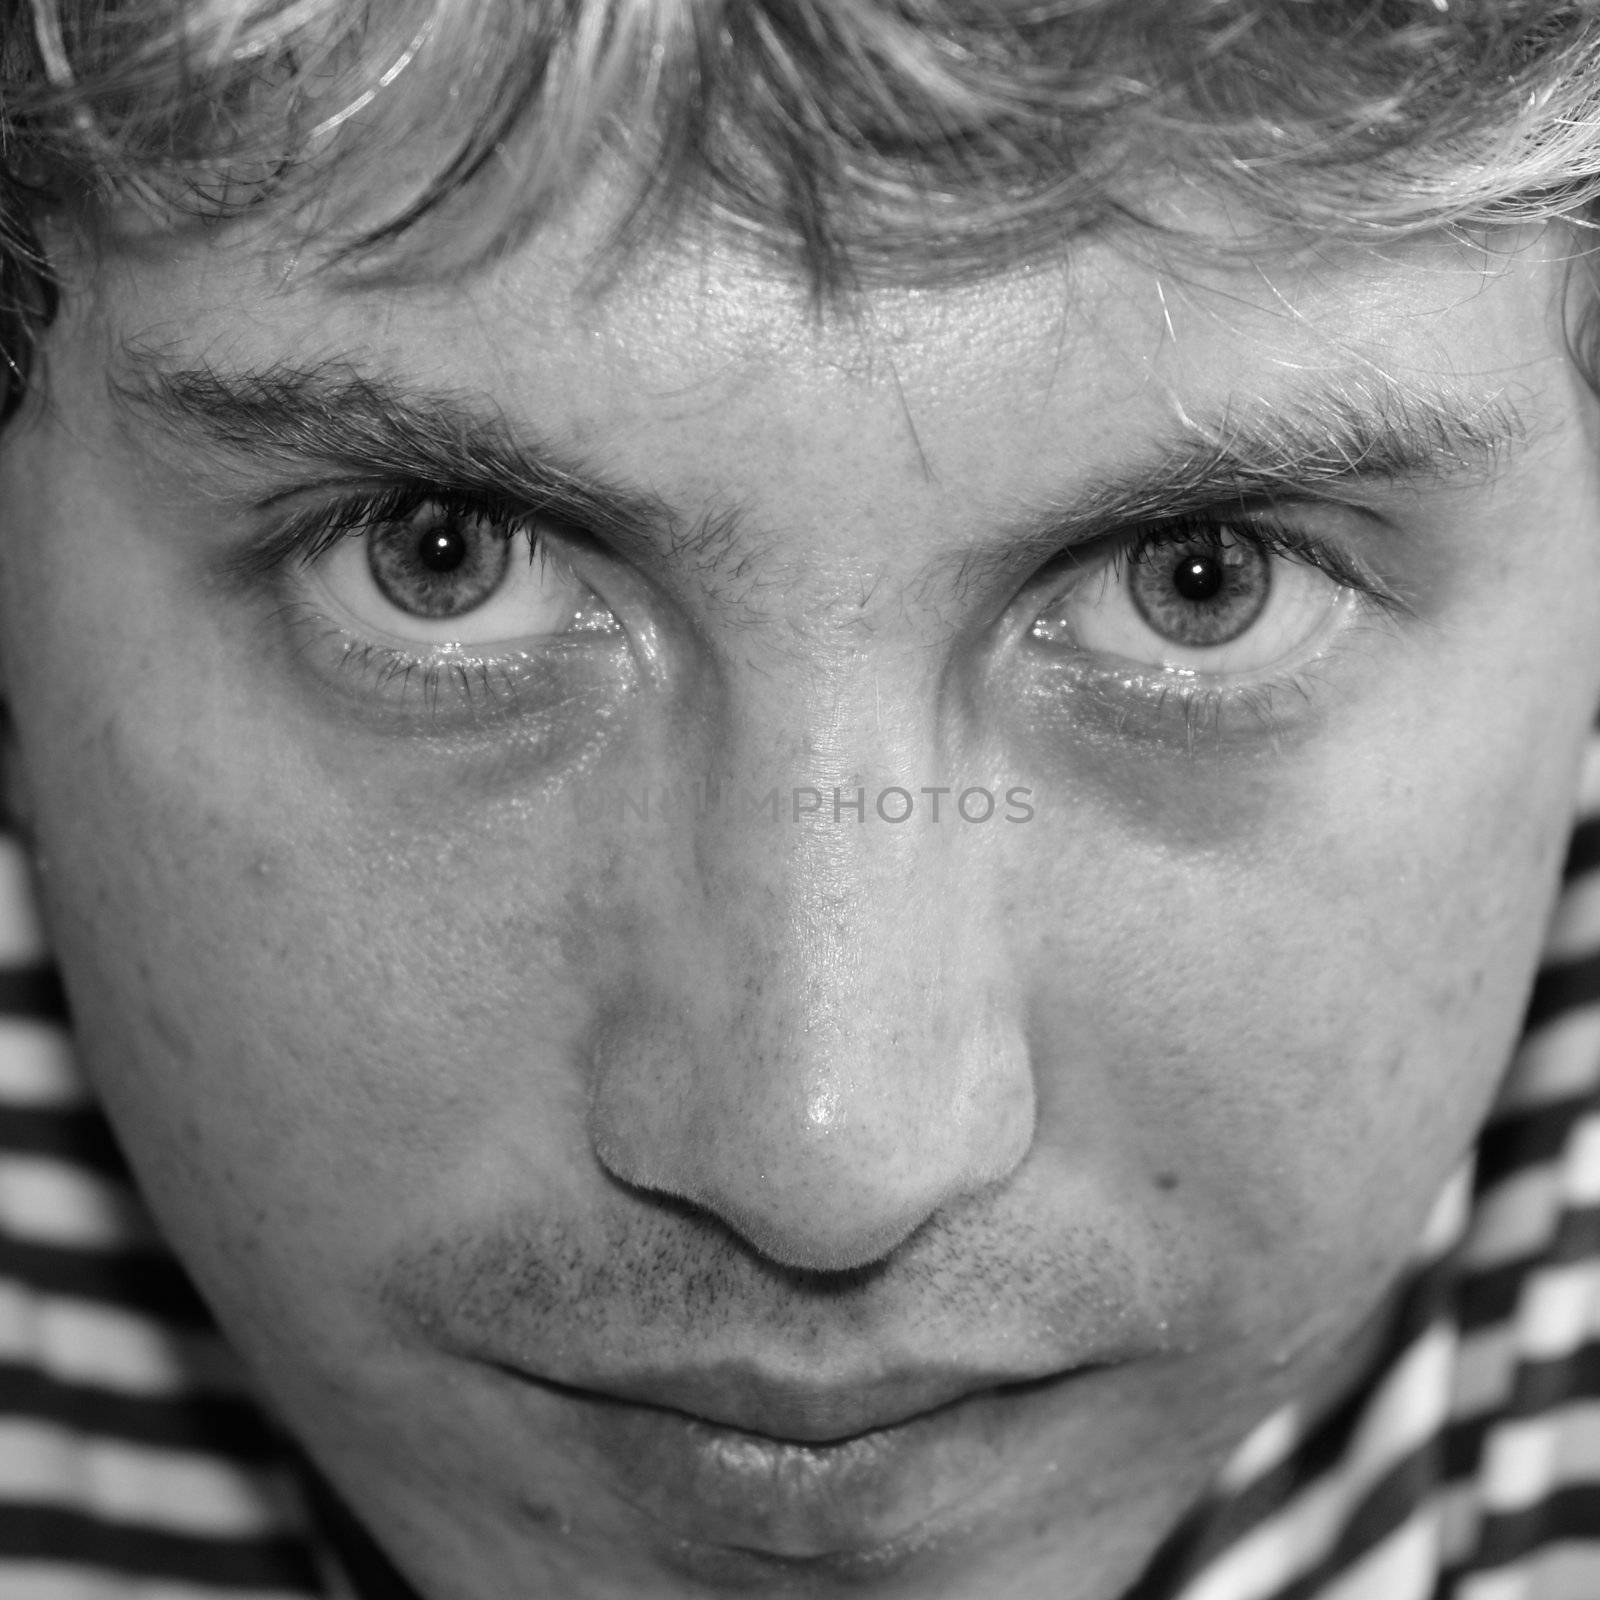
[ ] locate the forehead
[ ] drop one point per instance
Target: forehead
(701, 374)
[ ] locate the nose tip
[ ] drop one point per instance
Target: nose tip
(828, 1154)
(855, 1171)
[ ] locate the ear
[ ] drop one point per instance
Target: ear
(29, 301)
(16, 811)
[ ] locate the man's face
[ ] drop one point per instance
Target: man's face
(636, 1171)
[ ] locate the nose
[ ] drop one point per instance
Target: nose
(824, 1048)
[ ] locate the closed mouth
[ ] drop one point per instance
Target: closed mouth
(812, 1416)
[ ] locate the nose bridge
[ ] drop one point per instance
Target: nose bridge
(827, 1049)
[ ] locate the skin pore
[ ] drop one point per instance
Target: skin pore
(629, 1199)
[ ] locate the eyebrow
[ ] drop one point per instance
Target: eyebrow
(285, 416)
(1334, 444)
(1330, 442)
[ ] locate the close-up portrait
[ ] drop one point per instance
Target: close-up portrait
(799, 798)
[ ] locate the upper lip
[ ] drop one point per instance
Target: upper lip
(801, 1411)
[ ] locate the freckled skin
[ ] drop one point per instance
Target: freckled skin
(435, 1063)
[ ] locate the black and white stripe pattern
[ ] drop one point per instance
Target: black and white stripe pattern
(135, 1466)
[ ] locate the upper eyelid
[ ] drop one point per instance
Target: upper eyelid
(1274, 526)
(1271, 516)
(304, 535)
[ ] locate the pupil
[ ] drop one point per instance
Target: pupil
(1198, 578)
(442, 550)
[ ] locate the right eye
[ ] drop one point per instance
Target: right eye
(440, 573)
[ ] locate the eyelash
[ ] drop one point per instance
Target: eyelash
(311, 534)
(306, 535)
(1274, 537)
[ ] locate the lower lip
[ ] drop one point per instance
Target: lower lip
(881, 1495)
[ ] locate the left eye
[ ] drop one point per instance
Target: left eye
(445, 575)
(1213, 599)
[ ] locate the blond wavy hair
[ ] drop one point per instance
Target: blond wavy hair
(862, 140)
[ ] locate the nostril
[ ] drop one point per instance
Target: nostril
(826, 1199)
(802, 1238)
(792, 1220)
(824, 1148)
(789, 1234)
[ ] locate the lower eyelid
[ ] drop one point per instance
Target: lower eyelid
(1075, 694)
(396, 685)
(1181, 712)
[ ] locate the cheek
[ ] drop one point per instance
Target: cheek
(307, 1003)
(310, 1031)
(1292, 1025)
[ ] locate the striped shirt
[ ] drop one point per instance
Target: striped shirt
(1465, 1465)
